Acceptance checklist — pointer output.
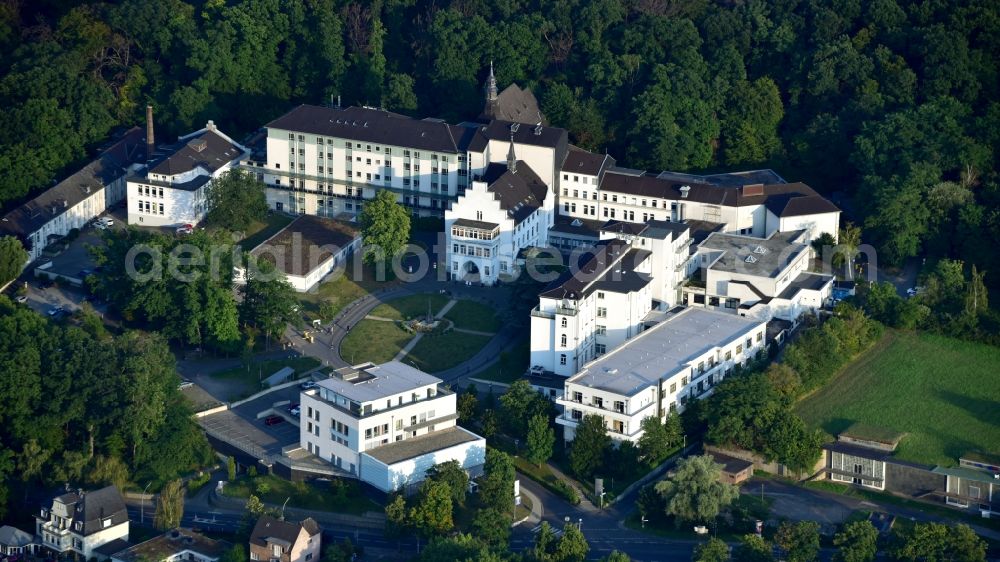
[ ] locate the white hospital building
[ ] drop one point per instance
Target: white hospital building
(386, 424)
(680, 359)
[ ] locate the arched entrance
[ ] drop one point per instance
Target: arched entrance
(470, 272)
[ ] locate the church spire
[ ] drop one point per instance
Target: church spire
(511, 158)
(491, 85)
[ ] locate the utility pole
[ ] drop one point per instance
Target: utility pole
(142, 504)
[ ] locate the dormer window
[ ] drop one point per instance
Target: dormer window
(78, 526)
(106, 522)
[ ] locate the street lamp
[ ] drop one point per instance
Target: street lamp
(142, 503)
(642, 518)
(602, 500)
(579, 524)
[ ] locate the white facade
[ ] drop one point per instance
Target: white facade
(80, 524)
(364, 408)
(764, 278)
(172, 190)
(75, 201)
(483, 239)
(407, 473)
(581, 320)
(681, 359)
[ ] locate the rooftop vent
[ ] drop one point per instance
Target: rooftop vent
(758, 249)
(750, 259)
(576, 222)
(514, 127)
(685, 189)
(538, 129)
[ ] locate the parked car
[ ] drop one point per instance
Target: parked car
(185, 229)
(21, 299)
(307, 385)
(185, 384)
(55, 310)
(273, 420)
(104, 223)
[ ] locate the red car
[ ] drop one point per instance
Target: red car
(273, 420)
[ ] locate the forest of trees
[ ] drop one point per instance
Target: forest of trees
(84, 406)
(889, 107)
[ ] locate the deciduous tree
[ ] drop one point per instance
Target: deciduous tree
(235, 200)
(541, 439)
(856, 542)
(589, 446)
(695, 493)
(385, 227)
(169, 506)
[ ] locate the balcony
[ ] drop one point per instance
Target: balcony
(566, 311)
(542, 314)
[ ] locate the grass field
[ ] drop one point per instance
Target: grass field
(511, 366)
(259, 370)
(435, 353)
(373, 340)
(410, 307)
(347, 497)
(472, 315)
(342, 290)
(943, 392)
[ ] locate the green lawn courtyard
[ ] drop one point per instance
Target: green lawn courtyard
(378, 340)
(249, 377)
(942, 392)
(408, 307)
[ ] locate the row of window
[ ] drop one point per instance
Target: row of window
(149, 191)
(150, 208)
(463, 250)
(474, 233)
(576, 178)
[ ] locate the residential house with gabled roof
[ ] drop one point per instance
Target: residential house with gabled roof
(82, 522)
(275, 540)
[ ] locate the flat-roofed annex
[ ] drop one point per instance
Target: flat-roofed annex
(663, 350)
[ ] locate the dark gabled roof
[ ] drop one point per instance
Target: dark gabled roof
(575, 225)
(669, 187)
(549, 137)
(514, 104)
(369, 125)
(611, 260)
(579, 161)
(314, 235)
(96, 506)
(110, 165)
(520, 192)
(207, 149)
(791, 205)
(268, 527)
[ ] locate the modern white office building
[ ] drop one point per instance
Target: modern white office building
(387, 424)
(78, 199)
(172, 189)
(763, 278)
(680, 359)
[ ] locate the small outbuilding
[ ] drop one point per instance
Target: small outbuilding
(307, 250)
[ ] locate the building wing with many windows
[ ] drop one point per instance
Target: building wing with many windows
(680, 359)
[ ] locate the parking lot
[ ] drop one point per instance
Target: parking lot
(242, 427)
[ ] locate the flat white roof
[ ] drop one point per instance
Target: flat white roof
(663, 350)
(378, 381)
